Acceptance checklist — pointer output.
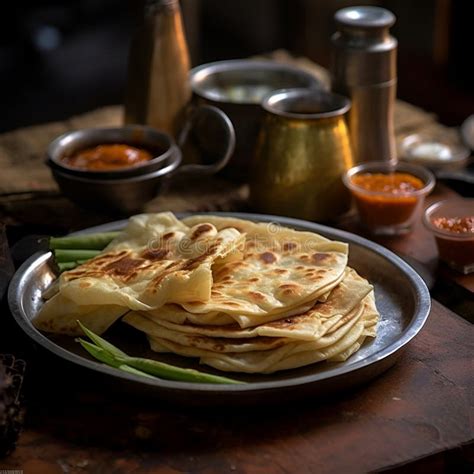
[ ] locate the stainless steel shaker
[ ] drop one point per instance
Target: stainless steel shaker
(364, 68)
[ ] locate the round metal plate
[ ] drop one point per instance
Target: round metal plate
(402, 299)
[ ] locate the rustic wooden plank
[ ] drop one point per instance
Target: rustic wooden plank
(418, 408)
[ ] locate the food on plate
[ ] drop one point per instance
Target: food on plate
(71, 251)
(340, 324)
(107, 157)
(155, 260)
(111, 355)
(281, 269)
(240, 296)
(59, 315)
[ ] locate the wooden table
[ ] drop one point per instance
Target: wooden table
(419, 412)
(419, 415)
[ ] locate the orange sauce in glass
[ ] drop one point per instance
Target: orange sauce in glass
(393, 202)
(107, 157)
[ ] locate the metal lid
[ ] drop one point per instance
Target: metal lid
(365, 17)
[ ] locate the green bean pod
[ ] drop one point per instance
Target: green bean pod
(87, 241)
(73, 255)
(102, 355)
(166, 371)
(64, 266)
(153, 367)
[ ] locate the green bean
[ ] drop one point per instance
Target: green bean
(64, 266)
(86, 241)
(63, 255)
(154, 367)
(102, 343)
(172, 372)
(103, 356)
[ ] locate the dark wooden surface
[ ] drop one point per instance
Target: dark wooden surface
(418, 409)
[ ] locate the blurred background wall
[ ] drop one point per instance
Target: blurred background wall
(62, 58)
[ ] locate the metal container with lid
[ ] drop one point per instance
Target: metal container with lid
(364, 69)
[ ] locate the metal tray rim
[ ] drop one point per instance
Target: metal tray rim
(422, 310)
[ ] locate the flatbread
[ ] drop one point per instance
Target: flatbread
(290, 355)
(178, 315)
(59, 315)
(309, 325)
(240, 296)
(281, 270)
(253, 341)
(371, 316)
(155, 260)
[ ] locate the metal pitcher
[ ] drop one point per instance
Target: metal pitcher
(303, 150)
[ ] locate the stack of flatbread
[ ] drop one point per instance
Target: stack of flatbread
(240, 296)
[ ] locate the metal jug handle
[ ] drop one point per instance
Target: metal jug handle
(216, 130)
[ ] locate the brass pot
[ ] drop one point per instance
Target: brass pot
(302, 152)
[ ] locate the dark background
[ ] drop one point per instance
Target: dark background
(63, 58)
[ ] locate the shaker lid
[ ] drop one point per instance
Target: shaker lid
(365, 17)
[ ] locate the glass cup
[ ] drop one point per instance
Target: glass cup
(454, 248)
(387, 212)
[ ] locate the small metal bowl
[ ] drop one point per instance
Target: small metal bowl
(159, 144)
(238, 87)
(127, 190)
(122, 191)
(116, 196)
(434, 152)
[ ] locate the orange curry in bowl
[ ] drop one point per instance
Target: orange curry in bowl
(107, 157)
(386, 199)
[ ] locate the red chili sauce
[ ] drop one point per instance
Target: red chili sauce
(457, 225)
(107, 157)
(459, 250)
(391, 202)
